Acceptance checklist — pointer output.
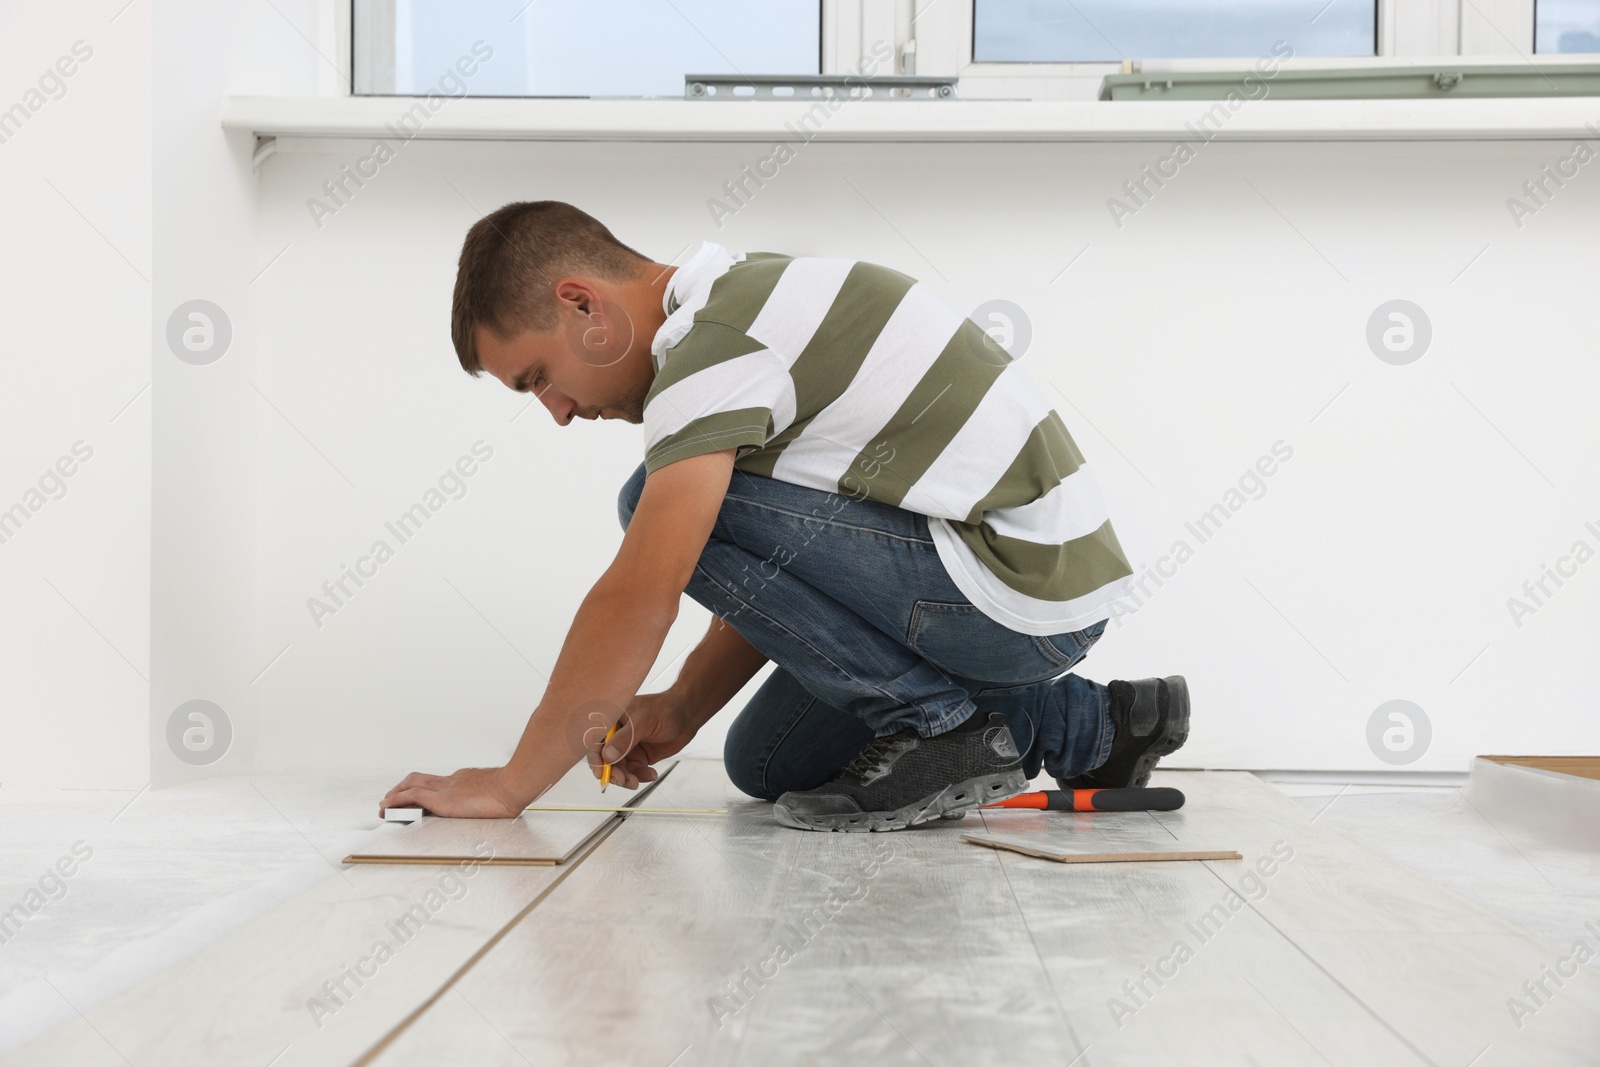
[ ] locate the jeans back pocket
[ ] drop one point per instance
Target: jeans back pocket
(960, 639)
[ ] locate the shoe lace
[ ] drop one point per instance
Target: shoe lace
(874, 758)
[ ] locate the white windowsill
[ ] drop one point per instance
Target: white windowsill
(476, 119)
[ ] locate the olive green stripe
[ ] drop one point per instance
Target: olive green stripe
(1046, 458)
(705, 345)
(711, 433)
(933, 413)
(1049, 572)
(832, 358)
(740, 292)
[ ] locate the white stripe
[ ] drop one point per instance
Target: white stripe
(982, 450)
(917, 332)
(798, 303)
(691, 284)
(755, 380)
(1072, 509)
(1019, 611)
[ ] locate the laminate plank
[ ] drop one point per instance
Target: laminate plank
(534, 838)
(1059, 855)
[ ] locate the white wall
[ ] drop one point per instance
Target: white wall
(208, 405)
(74, 311)
(1221, 318)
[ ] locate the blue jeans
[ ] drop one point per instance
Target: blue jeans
(850, 600)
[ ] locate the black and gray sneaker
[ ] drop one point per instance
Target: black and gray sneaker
(905, 779)
(1150, 717)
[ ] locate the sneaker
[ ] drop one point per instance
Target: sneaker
(1151, 719)
(905, 779)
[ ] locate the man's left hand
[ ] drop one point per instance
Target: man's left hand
(470, 793)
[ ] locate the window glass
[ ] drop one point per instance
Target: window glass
(1566, 26)
(594, 48)
(1107, 31)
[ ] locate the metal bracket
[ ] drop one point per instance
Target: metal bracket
(265, 147)
(800, 87)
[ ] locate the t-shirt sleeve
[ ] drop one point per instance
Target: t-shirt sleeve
(717, 388)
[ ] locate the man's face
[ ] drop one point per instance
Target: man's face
(594, 364)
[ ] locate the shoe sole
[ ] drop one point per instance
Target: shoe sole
(951, 802)
(1172, 739)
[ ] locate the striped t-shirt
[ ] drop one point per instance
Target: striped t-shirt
(856, 379)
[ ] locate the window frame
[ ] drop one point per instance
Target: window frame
(936, 37)
(1408, 32)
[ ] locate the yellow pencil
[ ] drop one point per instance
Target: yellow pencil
(605, 772)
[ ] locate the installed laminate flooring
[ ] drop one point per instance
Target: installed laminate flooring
(735, 941)
(1544, 885)
(674, 941)
(320, 977)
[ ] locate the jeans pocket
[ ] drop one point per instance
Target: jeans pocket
(1074, 645)
(960, 639)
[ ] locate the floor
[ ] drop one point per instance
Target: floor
(1366, 925)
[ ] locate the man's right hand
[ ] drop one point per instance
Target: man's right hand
(655, 726)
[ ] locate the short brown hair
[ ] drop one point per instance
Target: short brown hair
(510, 263)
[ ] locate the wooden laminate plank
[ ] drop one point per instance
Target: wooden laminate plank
(535, 838)
(1581, 766)
(1151, 854)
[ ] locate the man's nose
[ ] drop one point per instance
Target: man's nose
(561, 407)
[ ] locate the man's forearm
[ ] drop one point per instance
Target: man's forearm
(720, 665)
(612, 644)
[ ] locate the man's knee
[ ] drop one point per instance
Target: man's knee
(740, 758)
(628, 498)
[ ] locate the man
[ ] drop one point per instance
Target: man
(859, 483)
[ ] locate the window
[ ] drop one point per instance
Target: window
(1091, 31)
(627, 48)
(998, 49)
(1566, 26)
